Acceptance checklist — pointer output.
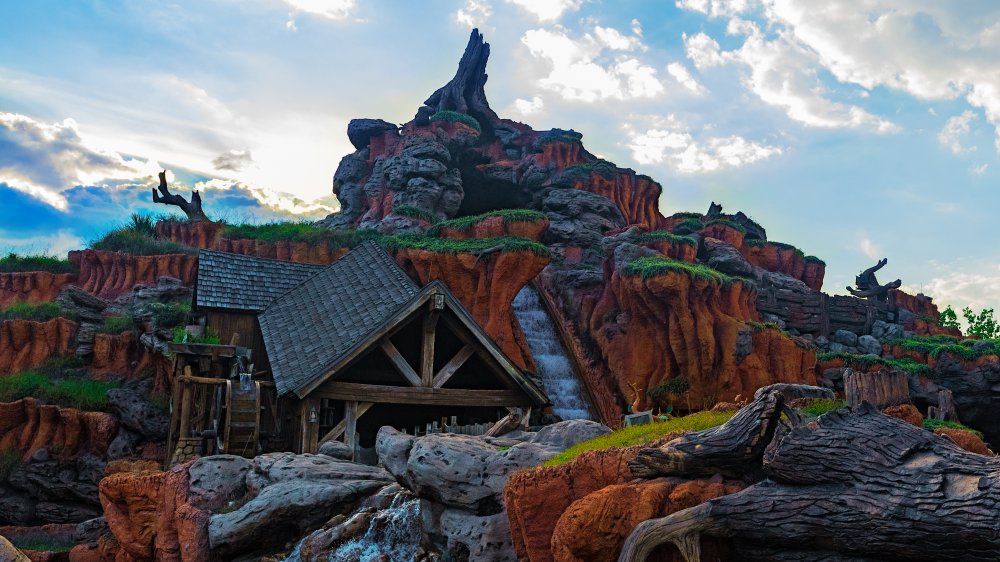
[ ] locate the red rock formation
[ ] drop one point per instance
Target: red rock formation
(110, 274)
(199, 234)
(486, 286)
(282, 250)
(26, 425)
(119, 355)
(906, 412)
(674, 250)
(636, 196)
(927, 313)
(788, 260)
(491, 227)
(31, 286)
(150, 517)
(965, 439)
(25, 344)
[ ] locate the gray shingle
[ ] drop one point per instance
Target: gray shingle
(310, 327)
(246, 283)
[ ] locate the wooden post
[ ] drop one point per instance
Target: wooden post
(427, 346)
(882, 389)
(185, 414)
(351, 427)
(309, 432)
(945, 409)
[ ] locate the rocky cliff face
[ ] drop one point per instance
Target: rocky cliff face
(110, 274)
(31, 286)
(25, 344)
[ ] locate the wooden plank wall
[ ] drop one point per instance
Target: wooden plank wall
(228, 323)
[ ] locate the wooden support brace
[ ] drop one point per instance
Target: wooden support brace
(399, 362)
(351, 425)
(341, 426)
(453, 365)
(427, 347)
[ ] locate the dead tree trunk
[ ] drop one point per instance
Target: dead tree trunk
(466, 92)
(945, 410)
(882, 389)
(855, 485)
(191, 208)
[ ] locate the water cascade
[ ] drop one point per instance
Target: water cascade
(569, 398)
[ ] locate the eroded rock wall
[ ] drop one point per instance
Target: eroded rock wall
(25, 344)
(31, 286)
(111, 274)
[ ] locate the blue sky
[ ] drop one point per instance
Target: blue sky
(855, 129)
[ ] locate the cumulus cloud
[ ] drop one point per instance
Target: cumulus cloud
(870, 249)
(45, 159)
(956, 128)
(474, 13)
(684, 78)
(547, 10)
(277, 202)
(924, 48)
(972, 283)
(329, 9)
(529, 107)
(57, 244)
(233, 160)
(576, 74)
(669, 141)
(703, 51)
(979, 170)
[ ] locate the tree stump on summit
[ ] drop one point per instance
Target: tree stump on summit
(881, 389)
(853, 485)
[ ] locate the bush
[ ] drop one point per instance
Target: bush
(139, 244)
(83, 394)
(507, 215)
(651, 266)
(688, 226)
(167, 315)
(983, 324)
(14, 263)
(675, 386)
(934, 346)
(558, 136)
(39, 312)
(470, 245)
(415, 213)
(814, 259)
(687, 215)
(727, 222)
(457, 117)
(932, 424)
(210, 337)
(947, 318)
(641, 434)
(115, 325)
(663, 235)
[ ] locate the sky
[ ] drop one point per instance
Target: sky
(854, 129)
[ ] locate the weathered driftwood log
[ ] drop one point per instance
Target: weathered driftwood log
(945, 410)
(191, 208)
(881, 389)
(732, 449)
(855, 485)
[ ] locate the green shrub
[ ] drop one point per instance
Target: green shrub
(658, 235)
(552, 136)
(688, 226)
(651, 266)
(457, 117)
(932, 424)
(299, 232)
(470, 245)
(83, 394)
(868, 361)
(687, 215)
(674, 386)
(139, 244)
(823, 405)
(115, 325)
(10, 459)
(947, 318)
(599, 164)
(761, 326)
(642, 434)
(210, 337)
(167, 315)
(507, 215)
(934, 346)
(14, 263)
(39, 312)
(785, 246)
(814, 259)
(755, 242)
(727, 222)
(415, 213)
(982, 325)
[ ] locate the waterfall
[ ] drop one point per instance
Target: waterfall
(565, 390)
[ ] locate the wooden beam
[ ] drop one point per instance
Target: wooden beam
(427, 348)
(309, 432)
(421, 395)
(341, 426)
(399, 362)
(351, 424)
(453, 365)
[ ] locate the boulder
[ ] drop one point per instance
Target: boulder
(336, 450)
(563, 435)
(124, 444)
(217, 479)
(91, 530)
(725, 258)
(845, 338)
(869, 345)
(137, 412)
(360, 131)
(10, 553)
(486, 538)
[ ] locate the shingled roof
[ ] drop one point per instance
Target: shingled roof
(246, 283)
(307, 329)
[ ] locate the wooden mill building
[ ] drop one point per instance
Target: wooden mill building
(355, 345)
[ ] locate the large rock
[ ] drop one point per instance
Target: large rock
(725, 258)
(217, 479)
(563, 435)
(360, 131)
(9, 553)
(137, 412)
(336, 450)
(579, 218)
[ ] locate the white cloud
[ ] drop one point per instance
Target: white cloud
(330, 9)
(577, 75)
(928, 49)
(979, 170)
(43, 160)
(57, 244)
(870, 249)
(547, 10)
(703, 51)
(475, 13)
(956, 128)
(269, 199)
(671, 142)
(529, 107)
(974, 284)
(233, 160)
(684, 78)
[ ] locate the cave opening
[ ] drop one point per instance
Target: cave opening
(484, 193)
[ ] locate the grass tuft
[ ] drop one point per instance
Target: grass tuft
(39, 312)
(138, 237)
(16, 263)
(687, 215)
(83, 394)
(727, 222)
(470, 245)
(457, 117)
(868, 361)
(115, 325)
(507, 215)
(651, 266)
(642, 434)
(298, 232)
(814, 259)
(210, 337)
(415, 213)
(934, 346)
(167, 315)
(663, 235)
(933, 424)
(823, 405)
